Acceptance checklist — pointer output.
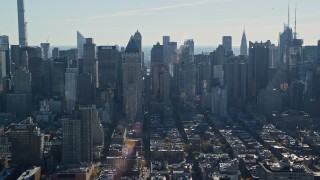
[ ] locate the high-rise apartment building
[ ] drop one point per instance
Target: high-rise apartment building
(23, 40)
(71, 140)
(86, 115)
(27, 143)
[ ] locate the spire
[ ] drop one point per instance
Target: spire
(289, 14)
(132, 46)
(243, 46)
(295, 23)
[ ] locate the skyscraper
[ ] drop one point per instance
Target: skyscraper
(318, 54)
(165, 42)
(71, 85)
(132, 81)
(55, 53)
(81, 40)
(86, 115)
(27, 143)
(157, 53)
(187, 74)
(190, 44)
(108, 57)
(89, 63)
(138, 39)
(23, 39)
(156, 63)
(244, 46)
(227, 43)
(71, 140)
(45, 50)
(258, 68)
(4, 47)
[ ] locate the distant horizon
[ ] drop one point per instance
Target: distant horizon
(205, 21)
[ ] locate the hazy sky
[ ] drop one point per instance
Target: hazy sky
(112, 22)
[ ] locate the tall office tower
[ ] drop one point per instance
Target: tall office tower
(157, 53)
(70, 57)
(172, 53)
(45, 50)
(81, 40)
(85, 90)
(58, 71)
(132, 81)
(138, 39)
(190, 43)
(36, 70)
(156, 63)
(71, 85)
(4, 47)
(258, 69)
(46, 69)
(244, 46)
(164, 84)
(165, 40)
(86, 115)
(23, 39)
(20, 102)
(89, 63)
(203, 65)
(33, 51)
(165, 43)
(55, 53)
(22, 82)
(236, 82)
(108, 59)
(186, 75)
(27, 143)
(274, 56)
(89, 49)
(218, 56)
(227, 43)
(71, 141)
(285, 41)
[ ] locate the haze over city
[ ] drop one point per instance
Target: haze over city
(110, 22)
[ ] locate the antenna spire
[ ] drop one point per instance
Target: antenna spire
(295, 23)
(289, 14)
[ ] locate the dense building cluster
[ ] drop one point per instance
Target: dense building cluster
(110, 112)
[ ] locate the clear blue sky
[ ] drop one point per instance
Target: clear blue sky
(206, 21)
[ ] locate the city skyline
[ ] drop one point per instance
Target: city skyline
(104, 21)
